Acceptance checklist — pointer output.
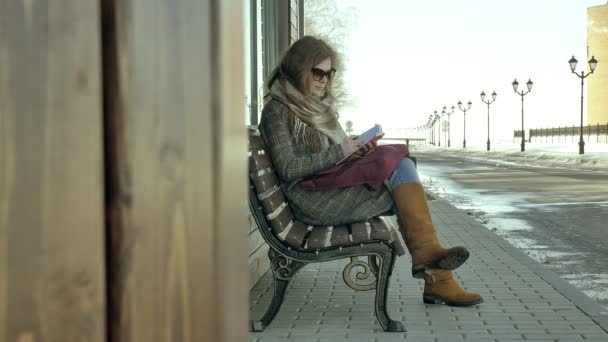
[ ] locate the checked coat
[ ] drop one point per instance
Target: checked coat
(295, 160)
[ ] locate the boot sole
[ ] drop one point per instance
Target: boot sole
(451, 261)
(438, 300)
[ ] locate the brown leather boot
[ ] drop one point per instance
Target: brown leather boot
(440, 286)
(419, 233)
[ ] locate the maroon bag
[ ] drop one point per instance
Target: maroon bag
(373, 169)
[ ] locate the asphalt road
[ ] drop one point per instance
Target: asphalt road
(557, 216)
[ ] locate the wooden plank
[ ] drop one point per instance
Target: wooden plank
(317, 238)
(281, 222)
(259, 161)
(397, 244)
(359, 232)
(339, 236)
(256, 142)
(177, 198)
(297, 234)
(380, 230)
(51, 173)
(264, 182)
(274, 201)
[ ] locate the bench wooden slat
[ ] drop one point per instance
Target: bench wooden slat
(256, 142)
(397, 244)
(264, 182)
(259, 161)
(339, 236)
(281, 222)
(297, 234)
(317, 237)
(274, 201)
(359, 232)
(380, 230)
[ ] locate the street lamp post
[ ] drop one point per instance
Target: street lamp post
(483, 96)
(464, 110)
(592, 64)
(438, 118)
(434, 121)
(431, 126)
(521, 93)
(448, 113)
(432, 129)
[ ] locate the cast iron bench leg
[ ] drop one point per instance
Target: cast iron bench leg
(387, 261)
(280, 286)
(283, 271)
(373, 263)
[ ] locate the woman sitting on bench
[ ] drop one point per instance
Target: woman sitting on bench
(300, 127)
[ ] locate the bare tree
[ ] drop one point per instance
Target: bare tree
(326, 20)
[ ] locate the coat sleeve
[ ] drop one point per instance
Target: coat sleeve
(274, 128)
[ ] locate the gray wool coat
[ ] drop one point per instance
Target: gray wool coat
(294, 161)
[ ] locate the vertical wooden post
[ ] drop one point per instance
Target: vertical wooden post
(51, 173)
(176, 142)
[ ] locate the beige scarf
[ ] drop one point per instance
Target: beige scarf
(309, 111)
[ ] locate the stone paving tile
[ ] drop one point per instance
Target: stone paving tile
(518, 303)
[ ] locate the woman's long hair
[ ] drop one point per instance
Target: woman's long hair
(298, 61)
(294, 67)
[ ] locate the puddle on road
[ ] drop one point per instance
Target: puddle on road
(508, 224)
(498, 212)
(593, 285)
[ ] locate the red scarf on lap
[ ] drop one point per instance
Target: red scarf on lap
(372, 170)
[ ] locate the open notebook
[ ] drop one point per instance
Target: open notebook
(368, 136)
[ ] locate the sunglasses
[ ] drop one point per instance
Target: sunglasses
(318, 74)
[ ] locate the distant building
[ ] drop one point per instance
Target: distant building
(597, 44)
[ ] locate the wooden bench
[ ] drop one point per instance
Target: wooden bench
(294, 244)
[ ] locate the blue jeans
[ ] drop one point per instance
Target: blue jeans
(405, 172)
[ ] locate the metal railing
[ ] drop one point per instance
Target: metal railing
(594, 133)
(413, 135)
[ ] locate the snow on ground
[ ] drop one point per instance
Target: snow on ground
(536, 154)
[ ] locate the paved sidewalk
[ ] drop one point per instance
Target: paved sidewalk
(522, 299)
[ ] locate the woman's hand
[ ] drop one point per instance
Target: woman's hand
(350, 145)
(365, 149)
(369, 147)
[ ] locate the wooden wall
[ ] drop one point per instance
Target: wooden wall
(178, 186)
(52, 265)
(122, 171)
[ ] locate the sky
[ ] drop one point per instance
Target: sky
(407, 58)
